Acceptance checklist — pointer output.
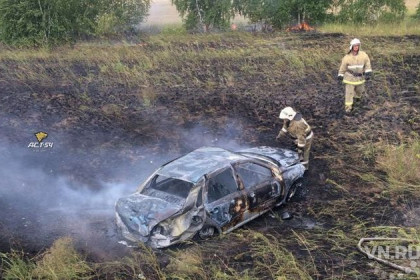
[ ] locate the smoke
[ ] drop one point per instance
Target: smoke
(71, 191)
(41, 200)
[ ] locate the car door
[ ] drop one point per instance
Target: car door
(225, 202)
(260, 186)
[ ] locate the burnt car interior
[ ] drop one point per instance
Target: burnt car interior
(172, 186)
(221, 185)
(252, 174)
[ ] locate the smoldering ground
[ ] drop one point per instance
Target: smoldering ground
(70, 190)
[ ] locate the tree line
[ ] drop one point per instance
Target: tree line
(217, 14)
(50, 22)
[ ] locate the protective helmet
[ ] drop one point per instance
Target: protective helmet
(353, 42)
(287, 113)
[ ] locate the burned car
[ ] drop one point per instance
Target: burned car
(206, 192)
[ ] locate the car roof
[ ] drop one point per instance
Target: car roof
(192, 166)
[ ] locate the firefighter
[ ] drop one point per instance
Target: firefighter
(355, 69)
(299, 130)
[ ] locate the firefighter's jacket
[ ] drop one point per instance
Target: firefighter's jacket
(298, 129)
(353, 67)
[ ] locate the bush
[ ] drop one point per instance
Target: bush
(123, 15)
(106, 24)
(372, 11)
(417, 15)
(50, 22)
(279, 13)
(205, 14)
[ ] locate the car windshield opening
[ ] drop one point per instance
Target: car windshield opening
(170, 185)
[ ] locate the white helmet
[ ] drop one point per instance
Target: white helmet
(353, 42)
(287, 113)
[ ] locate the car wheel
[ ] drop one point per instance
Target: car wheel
(294, 189)
(207, 232)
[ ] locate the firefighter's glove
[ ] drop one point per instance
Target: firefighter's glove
(300, 153)
(280, 135)
(368, 75)
(340, 78)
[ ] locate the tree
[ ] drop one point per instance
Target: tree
(282, 12)
(205, 14)
(49, 22)
(262, 12)
(314, 11)
(371, 11)
(120, 15)
(417, 15)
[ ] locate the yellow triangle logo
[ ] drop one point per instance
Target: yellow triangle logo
(41, 136)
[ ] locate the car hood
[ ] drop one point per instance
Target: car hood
(140, 213)
(282, 157)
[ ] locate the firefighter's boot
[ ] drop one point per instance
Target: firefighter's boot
(348, 109)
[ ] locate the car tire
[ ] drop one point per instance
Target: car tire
(207, 232)
(294, 189)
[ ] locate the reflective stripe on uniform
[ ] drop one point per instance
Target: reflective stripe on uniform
(283, 129)
(355, 66)
(354, 83)
(310, 136)
(369, 70)
(301, 145)
(349, 103)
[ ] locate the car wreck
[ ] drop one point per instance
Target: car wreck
(206, 192)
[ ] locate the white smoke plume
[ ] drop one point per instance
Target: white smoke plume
(46, 194)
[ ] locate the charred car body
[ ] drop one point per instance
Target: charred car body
(208, 191)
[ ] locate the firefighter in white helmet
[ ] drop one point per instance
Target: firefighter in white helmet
(355, 69)
(295, 126)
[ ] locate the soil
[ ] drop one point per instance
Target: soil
(105, 151)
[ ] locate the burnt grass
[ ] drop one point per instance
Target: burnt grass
(108, 117)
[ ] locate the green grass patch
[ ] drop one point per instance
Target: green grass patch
(410, 26)
(14, 265)
(61, 261)
(402, 165)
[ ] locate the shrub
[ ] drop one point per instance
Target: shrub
(123, 15)
(205, 14)
(50, 22)
(372, 11)
(283, 12)
(417, 15)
